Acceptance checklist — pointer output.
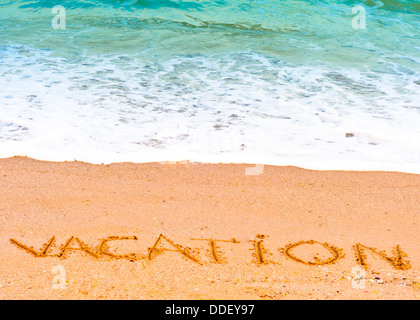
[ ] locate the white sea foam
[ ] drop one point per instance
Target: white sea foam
(236, 108)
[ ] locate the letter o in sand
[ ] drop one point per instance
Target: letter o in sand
(336, 252)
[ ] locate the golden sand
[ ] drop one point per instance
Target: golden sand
(73, 230)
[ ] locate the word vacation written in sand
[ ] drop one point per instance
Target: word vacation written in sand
(259, 253)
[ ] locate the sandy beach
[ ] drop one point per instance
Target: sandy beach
(73, 230)
(302, 118)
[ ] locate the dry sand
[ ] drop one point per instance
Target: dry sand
(116, 213)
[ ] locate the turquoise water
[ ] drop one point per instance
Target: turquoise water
(278, 82)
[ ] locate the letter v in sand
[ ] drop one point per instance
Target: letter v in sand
(41, 253)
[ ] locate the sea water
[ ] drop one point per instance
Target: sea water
(316, 84)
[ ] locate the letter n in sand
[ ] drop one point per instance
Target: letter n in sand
(397, 261)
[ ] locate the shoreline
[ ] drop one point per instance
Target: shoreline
(189, 162)
(206, 231)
